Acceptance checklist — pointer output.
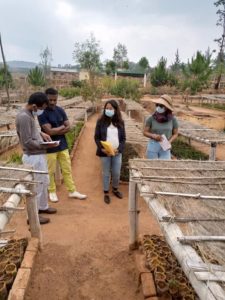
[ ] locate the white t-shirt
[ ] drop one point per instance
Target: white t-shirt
(112, 136)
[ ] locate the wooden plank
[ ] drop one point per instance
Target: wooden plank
(190, 219)
(208, 276)
(200, 238)
(201, 267)
(15, 190)
(24, 170)
(196, 196)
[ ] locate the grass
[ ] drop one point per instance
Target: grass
(15, 158)
(72, 135)
(183, 150)
(219, 106)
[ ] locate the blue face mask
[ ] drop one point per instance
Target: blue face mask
(160, 110)
(109, 113)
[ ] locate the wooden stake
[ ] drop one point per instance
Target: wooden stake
(133, 215)
(32, 212)
(5, 73)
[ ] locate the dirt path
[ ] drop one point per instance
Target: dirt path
(85, 254)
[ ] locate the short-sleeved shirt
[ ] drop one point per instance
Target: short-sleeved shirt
(162, 128)
(55, 117)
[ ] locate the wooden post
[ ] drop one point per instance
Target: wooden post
(145, 80)
(5, 73)
(32, 212)
(133, 215)
(85, 116)
(212, 155)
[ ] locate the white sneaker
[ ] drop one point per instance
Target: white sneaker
(53, 197)
(77, 195)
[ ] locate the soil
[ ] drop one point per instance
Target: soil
(86, 245)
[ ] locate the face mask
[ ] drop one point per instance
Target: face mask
(109, 113)
(160, 110)
(40, 112)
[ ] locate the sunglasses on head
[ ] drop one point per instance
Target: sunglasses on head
(160, 105)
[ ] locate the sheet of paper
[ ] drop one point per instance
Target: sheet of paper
(50, 143)
(165, 144)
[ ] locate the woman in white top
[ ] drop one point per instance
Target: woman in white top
(110, 128)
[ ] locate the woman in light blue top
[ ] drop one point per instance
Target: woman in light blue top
(160, 125)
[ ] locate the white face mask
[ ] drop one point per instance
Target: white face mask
(160, 110)
(38, 112)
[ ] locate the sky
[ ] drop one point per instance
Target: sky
(150, 28)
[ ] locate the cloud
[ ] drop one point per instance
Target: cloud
(151, 28)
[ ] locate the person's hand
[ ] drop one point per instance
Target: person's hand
(46, 137)
(116, 151)
(106, 152)
(157, 137)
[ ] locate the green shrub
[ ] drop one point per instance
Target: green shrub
(126, 88)
(70, 92)
(72, 135)
(76, 83)
(15, 158)
(183, 150)
(36, 77)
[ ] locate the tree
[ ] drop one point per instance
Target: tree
(159, 75)
(46, 58)
(36, 77)
(197, 72)
(88, 55)
(5, 78)
(110, 67)
(220, 62)
(176, 66)
(120, 56)
(143, 63)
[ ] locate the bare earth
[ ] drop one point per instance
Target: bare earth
(85, 255)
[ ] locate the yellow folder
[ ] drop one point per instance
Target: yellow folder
(108, 147)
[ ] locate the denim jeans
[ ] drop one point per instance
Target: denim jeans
(155, 151)
(111, 165)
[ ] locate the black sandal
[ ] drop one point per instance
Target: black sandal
(117, 193)
(107, 199)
